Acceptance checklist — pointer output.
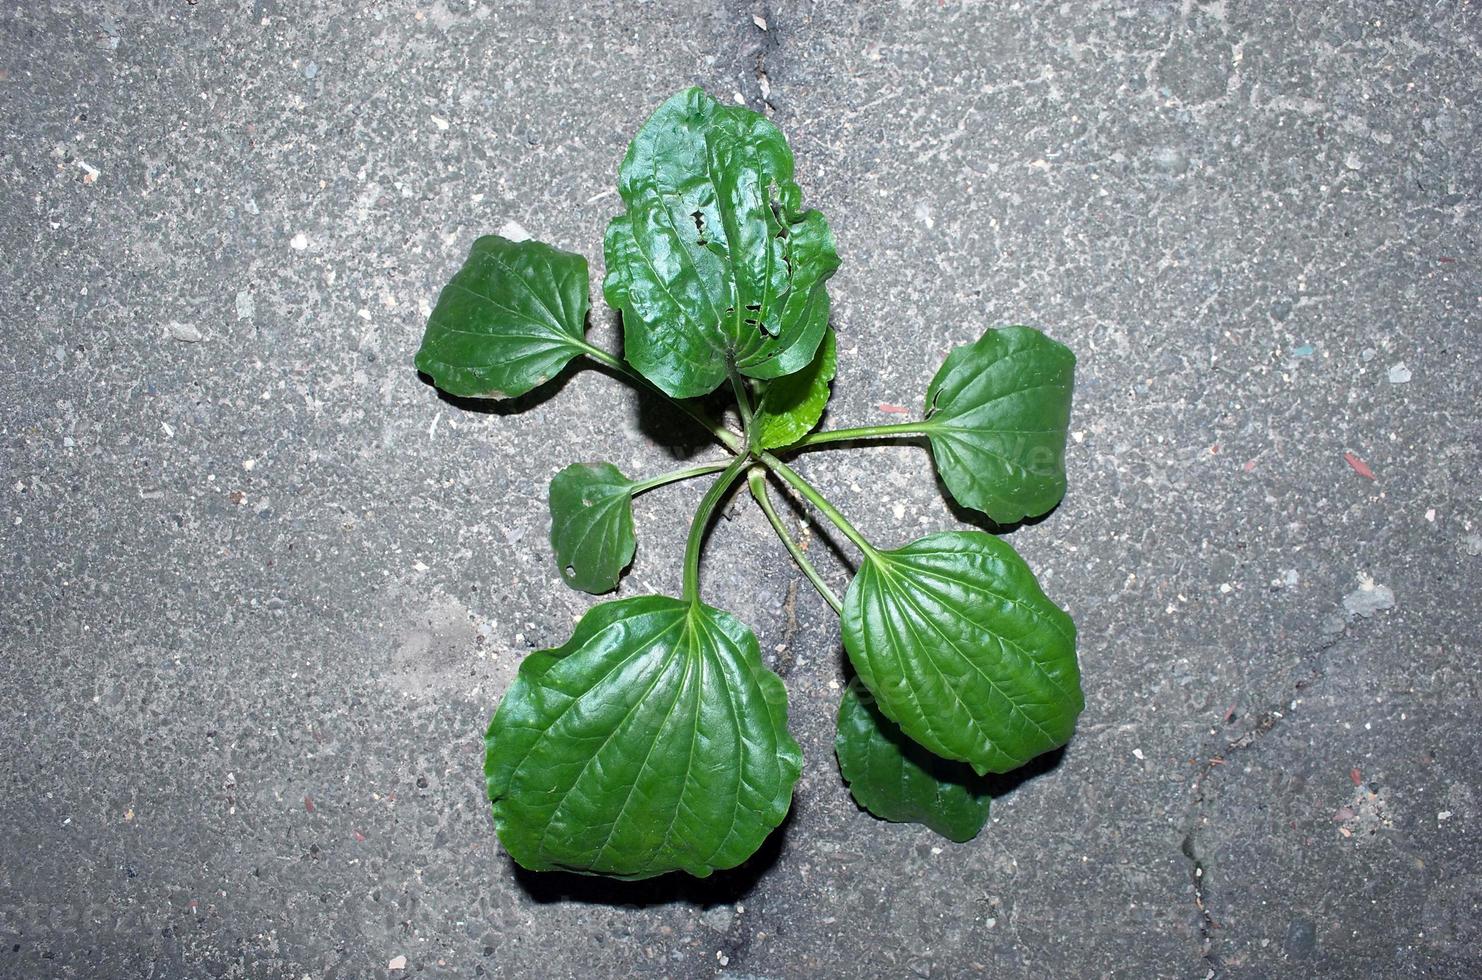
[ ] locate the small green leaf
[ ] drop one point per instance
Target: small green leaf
(792, 405)
(507, 321)
(962, 650)
(654, 740)
(997, 414)
(713, 260)
(592, 525)
(896, 779)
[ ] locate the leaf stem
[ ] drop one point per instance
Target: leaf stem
(818, 500)
(743, 400)
(757, 480)
(675, 476)
(862, 432)
(725, 436)
(703, 514)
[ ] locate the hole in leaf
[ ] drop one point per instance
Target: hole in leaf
(753, 307)
(570, 570)
(699, 220)
(932, 408)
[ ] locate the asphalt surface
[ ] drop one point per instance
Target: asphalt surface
(263, 587)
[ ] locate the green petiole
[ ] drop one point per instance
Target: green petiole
(703, 514)
(757, 480)
(862, 432)
(743, 401)
(674, 477)
(818, 500)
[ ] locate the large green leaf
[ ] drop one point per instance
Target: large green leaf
(792, 406)
(592, 525)
(997, 413)
(507, 321)
(655, 740)
(896, 779)
(962, 650)
(713, 260)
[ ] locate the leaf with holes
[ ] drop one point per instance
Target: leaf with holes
(713, 262)
(898, 780)
(654, 740)
(507, 321)
(962, 650)
(997, 415)
(592, 525)
(792, 406)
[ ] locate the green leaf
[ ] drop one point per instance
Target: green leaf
(792, 406)
(997, 414)
(896, 779)
(507, 321)
(592, 525)
(713, 260)
(654, 740)
(962, 650)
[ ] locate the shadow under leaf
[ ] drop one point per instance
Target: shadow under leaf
(657, 418)
(511, 406)
(722, 887)
(993, 784)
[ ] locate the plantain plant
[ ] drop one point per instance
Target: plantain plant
(655, 739)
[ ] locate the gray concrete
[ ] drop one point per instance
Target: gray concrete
(263, 587)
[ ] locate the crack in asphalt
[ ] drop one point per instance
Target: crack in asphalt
(771, 45)
(1266, 721)
(760, 42)
(749, 909)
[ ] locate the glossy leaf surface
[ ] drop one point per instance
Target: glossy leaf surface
(953, 636)
(592, 525)
(792, 406)
(896, 779)
(654, 740)
(713, 260)
(997, 415)
(507, 321)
